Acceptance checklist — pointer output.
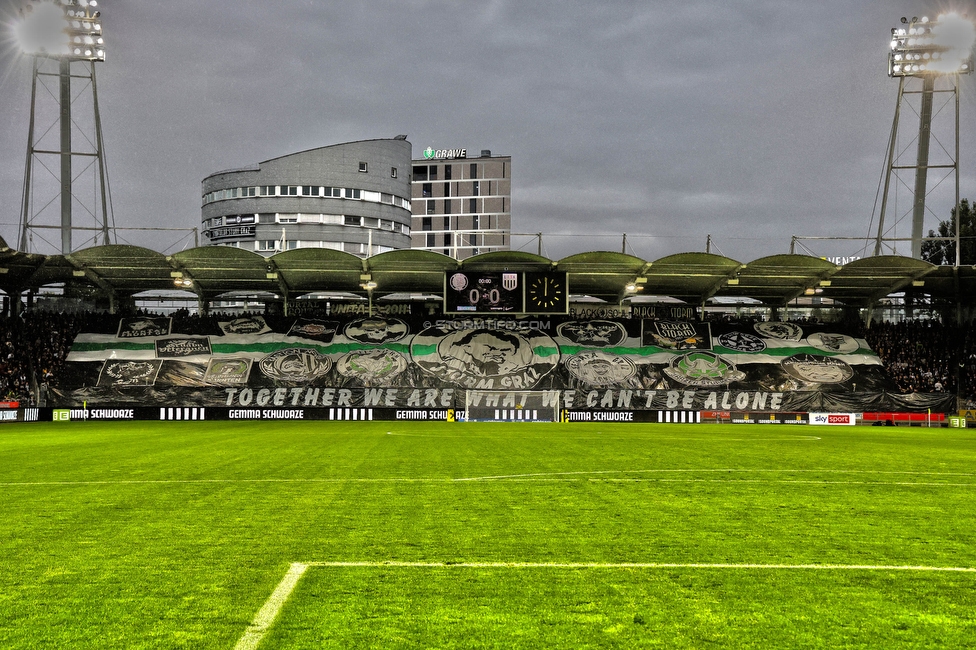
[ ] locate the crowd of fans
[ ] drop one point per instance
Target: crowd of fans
(927, 356)
(34, 350)
(920, 356)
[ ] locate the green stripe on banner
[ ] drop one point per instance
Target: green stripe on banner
(789, 352)
(81, 346)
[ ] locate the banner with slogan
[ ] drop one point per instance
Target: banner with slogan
(429, 361)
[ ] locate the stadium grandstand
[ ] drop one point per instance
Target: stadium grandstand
(408, 332)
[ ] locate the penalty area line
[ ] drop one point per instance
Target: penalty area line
(639, 565)
(259, 627)
(266, 616)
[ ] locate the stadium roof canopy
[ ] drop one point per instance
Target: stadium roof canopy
(693, 278)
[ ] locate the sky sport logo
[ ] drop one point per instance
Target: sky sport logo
(833, 418)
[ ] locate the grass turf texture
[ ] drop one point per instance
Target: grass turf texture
(145, 535)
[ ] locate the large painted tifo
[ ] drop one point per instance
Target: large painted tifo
(432, 361)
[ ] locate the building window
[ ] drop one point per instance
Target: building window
(472, 205)
(430, 206)
(474, 222)
(266, 245)
(447, 223)
(266, 190)
(353, 221)
(353, 194)
(474, 170)
(427, 190)
(475, 188)
(393, 172)
(448, 207)
(425, 221)
(420, 172)
(433, 172)
(310, 190)
(363, 167)
(288, 190)
(447, 172)
(447, 189)
(430, 240)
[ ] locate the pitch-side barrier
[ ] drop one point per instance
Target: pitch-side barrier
(13, 412)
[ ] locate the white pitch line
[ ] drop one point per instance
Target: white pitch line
(269, 612)
(266, 616)
(639, 565)
(774, 482)
(537, 476)
(228, 480)
(728, 470)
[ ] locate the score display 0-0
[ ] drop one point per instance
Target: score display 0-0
(515, 292)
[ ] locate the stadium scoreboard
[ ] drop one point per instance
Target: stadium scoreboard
(501, 292)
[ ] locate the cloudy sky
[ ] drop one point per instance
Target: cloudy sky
(746, 120)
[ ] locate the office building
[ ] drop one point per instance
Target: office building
(353, 197)
(462, 206)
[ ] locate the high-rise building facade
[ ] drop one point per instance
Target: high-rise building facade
(353, 197)
(461, 206)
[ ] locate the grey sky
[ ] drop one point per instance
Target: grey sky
(747, 121)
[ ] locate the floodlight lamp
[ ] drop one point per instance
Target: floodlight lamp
(946, 42)
(57, 29)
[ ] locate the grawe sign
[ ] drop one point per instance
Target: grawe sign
(444, 154)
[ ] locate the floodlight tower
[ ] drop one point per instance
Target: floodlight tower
(66, 33)
(934, 53)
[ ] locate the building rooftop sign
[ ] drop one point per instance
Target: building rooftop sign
(441, 154)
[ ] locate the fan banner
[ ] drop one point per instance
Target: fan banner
(422, 361)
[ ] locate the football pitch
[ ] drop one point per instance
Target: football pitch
(477, 535)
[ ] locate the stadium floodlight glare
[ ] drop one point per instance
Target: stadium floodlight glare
(925, 48)
(69, 29)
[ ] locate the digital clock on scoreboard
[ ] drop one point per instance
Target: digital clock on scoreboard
(483, 292)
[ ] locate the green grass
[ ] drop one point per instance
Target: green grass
(163, 535)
